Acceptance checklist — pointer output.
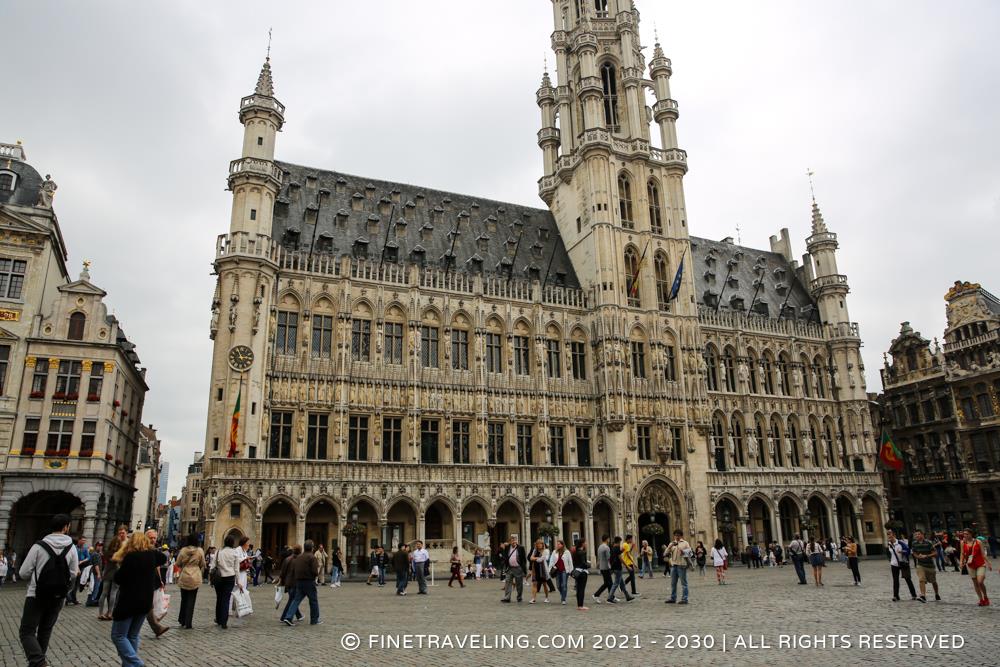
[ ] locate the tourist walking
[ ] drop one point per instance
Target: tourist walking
(401, 566)
(137, 577)
(287, 579)
(617, 567)
(629, 554)
(719, 556)
(191, 562)
(421, 563)
(924, 553)
(3, 568)
(96, 578)
(680, 553)
(796, 551)
(50, 567)
(83, 559)
(580, 572)
(477, 560)
(227, 566)
(899, 561)
(336, 568)
(109, 589)
(516, 561)
(851, 551)
(304, 568)
(700, 557)
(604, 567)
(456, 568)
(538, 559)
(645, 560)
(975, 561)
(560, 565)
(321, 560)
(817, 558)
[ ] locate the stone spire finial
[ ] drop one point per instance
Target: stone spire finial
(818, 226)
(265, 85)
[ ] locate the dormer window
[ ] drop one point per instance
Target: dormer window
(6, 181)
(475, 263)
(418, 255)
(534, 273)
(360, 249)
(77, 322)
(391, 252)
(12, 277)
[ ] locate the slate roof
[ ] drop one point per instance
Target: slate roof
(29, 182)
(354, 214)
(779, 280)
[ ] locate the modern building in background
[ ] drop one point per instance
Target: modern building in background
(161, 497)
(71, 388)
(941, 405)
(147, 480)
(191, 519)
(412, 363)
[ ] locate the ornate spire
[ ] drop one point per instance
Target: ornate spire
(818, 226)
(265, 85)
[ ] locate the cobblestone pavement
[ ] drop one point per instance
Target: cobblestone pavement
(759, 605)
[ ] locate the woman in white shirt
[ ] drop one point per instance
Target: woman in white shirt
(227, 566)
(719, 556)
(561, 560)
(539, 559)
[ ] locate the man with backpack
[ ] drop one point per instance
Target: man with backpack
(796, 551)
(51, 568)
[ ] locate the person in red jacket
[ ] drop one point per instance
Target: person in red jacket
(974, 559)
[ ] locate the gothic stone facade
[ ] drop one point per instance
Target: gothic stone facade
(942, 406)
(71, 389)
(437, 366)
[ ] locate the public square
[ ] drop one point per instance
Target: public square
(758, 605)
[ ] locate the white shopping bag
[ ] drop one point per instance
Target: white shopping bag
(161, 603)
(244, 607)
(279, 592)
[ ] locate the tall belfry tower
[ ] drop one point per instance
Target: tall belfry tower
(247, 270)
(618, 201)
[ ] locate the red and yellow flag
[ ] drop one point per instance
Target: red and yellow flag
(889, 454)
(234, 428)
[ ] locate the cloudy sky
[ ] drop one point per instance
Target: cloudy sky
(132, 109)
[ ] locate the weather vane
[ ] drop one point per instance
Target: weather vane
(810, 173)
(269, 44)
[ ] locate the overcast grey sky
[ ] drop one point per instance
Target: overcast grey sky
(132, 109)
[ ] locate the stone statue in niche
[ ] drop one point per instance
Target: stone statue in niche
(743, 372)
(233, 310)
(797, 379)
(216, 308)
(256, 313)
(807, 446)
(751, 444)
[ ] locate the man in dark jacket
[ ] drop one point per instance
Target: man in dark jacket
(515, 558)
(401, 566)
(286, 580)
(304, 569)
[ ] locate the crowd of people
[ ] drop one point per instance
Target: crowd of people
(126, 581)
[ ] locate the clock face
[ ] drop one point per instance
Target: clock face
(241, 358)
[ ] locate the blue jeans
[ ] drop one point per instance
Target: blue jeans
(939, 559)
(619, 584)
(381, 575)
(125, 636)
(305, 588)
(95, 593)
(562, 582)
(334, 575)
(677, 572)
(800, 568)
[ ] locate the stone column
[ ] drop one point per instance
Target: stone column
(862, 546)
(744, 534)
(835, 528)
(258, 530)
(100, 529)
(89, 522)
(421, 526)
(300, 529)
(776, 524)
(458, 532)
(209, 533)
(588, 533)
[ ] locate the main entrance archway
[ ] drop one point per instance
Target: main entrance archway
(760, 529)
(30, 517)
(277, 527)
(726, 516)
(659, 513)
(321, 525)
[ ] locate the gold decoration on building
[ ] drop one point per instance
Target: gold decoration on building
(109, 367)
(87, 365)
(961, 287)
(53, 363)
(29, 362)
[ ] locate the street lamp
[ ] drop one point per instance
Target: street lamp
(354, 543)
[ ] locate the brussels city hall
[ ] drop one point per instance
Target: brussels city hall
(394, 362)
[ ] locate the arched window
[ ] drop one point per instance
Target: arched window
(752, 364)
(662, 281)
(816, 452)
(711, 368)
(625, 201)
(729, 369)
(610, 83)
(601, 7)
(806, 378)
(766, 370)
(638, 350)
(739, 459)
(632, 277)
(817, 376)
(762, 447)
(76, 324)
(784, 374)
(655, 217)
(793, 442)
(719, 442)
(831, 446)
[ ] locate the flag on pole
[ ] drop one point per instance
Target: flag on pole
(633, 288)
(889, 454)
(234, 428)
(676, 287)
